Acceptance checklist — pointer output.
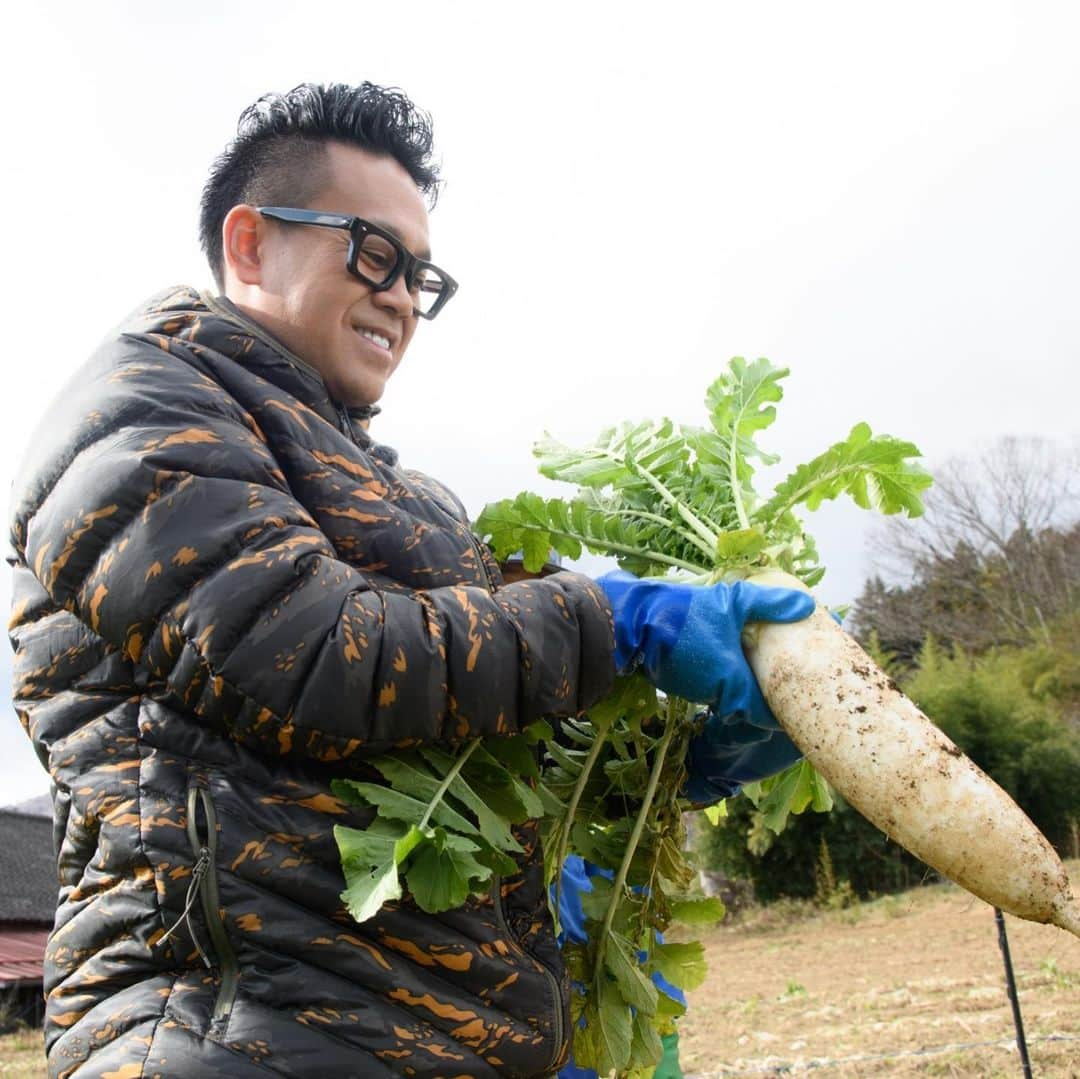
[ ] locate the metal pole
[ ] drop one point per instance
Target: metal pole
(1014, 1000)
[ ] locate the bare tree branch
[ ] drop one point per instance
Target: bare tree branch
(994, 560)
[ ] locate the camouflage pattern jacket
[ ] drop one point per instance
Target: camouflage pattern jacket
(224, 596)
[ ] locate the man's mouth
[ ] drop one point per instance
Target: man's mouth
(376, 337)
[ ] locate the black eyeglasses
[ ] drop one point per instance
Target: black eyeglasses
(378, 258)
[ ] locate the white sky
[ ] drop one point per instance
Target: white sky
(883, 197)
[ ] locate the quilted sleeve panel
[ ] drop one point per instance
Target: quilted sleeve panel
(156, 512)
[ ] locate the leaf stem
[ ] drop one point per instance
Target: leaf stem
(736, 483)
(683, 511)
(655, 518)
(449, 778)
(670, 728)
(571, 811)
(598, 543)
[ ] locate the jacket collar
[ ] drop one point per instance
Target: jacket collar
(216, 322)
(317, 396)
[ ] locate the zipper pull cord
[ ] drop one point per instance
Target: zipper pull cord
(197, 874)
(345, 422)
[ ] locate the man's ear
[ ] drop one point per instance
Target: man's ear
(242, 235)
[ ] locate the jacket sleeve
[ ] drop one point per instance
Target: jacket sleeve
(161, 518)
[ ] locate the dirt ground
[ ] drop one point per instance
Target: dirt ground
(909, 985)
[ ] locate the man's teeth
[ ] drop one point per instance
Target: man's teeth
(371, 335)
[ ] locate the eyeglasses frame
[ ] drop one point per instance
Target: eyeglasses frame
(406, 263)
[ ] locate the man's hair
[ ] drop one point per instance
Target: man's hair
(278, 157)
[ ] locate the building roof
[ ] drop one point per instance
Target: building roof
(22, 954)
(39, 806)
(28, 884)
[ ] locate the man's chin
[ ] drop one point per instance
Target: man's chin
(362, 388)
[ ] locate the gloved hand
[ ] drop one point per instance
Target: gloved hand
(687, 637)
(734, 750)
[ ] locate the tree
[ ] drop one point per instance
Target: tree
(994, 561)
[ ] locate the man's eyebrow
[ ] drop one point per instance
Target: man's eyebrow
(424, 254)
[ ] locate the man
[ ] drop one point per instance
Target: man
(226, 594)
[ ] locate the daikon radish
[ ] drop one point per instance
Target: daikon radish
(901, 772)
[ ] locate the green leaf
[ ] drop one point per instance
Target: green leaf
(571, 761)
(697, 911)
(444, 872)
(682, 964)
(620, 959)
(629, 776)
(742, 545)
(406, 772)
(501, 788)
(791, 792)
(581, 732)
(594, 903)
(672, 864)
(524, 524)
(821, 799)
(587, 1050)
(502, 865)
(596, 466)
(631, 697)
(370, 861)
(613, 1027)
(716, 812)
(549, 802)
(638, 543)
(646, 1048)
(393, 805)
(535, 550)
(491, 826)
(741, 401)
(879, 473)
(668, 1008)
(576, 958)
(539, 730)
(602, 846)
(516, 752)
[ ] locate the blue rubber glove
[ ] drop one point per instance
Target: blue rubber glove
(735, 750)
(687, 638)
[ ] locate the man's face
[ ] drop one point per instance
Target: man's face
(307, 298)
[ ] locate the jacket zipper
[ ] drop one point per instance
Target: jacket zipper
(559, 1029)
(205, 850)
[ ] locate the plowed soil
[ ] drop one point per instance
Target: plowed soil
(908, 985)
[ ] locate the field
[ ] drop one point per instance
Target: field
(22, 1056)
(908, 985)
(883, 989)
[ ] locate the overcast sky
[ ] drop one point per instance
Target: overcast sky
(882, 197)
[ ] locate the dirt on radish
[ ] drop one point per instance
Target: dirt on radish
(908, 985)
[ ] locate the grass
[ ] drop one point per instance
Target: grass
(22, 1055)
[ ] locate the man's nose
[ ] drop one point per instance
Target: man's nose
(396, 298)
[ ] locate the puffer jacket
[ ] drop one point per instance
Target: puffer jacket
(225, 596)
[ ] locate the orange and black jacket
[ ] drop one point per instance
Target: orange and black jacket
(225, 596)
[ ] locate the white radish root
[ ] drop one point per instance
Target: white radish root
(901, 772)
